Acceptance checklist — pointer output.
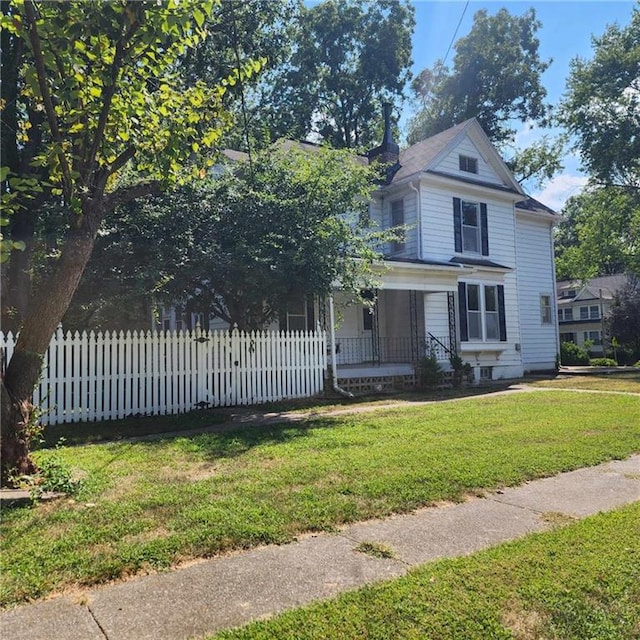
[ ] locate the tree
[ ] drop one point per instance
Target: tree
(600, 234)
(495, 78)
(602, 106)
(255, 238)
(349, 56)
(116, 122)
(238, 30)
(623, 319)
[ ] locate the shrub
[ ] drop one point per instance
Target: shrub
(429, 372)
(461, 370)
(603, 362)
(572, 354)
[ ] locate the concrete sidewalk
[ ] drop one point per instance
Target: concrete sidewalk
(212, 595)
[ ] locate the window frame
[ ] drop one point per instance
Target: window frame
(468, 164)
(488, 318)
(546, 307)
(597, 340)
(462, 230)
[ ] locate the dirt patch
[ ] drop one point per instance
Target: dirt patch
(525, 624)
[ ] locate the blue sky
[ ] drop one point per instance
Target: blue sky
(566, 32)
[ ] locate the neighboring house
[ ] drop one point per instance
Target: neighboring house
(582, 308)
(473, 273)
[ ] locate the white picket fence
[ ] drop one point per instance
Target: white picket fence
(106, 376)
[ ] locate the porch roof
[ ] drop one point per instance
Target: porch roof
(420, 275)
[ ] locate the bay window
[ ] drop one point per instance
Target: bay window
(482, 315)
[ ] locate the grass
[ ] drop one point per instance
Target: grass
(108, 430)
(629, 382)
(580, 581)
(141, 426)
(149, 504)
(375, 549)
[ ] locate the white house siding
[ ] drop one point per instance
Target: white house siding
(410, 248)
(535, 278)
(451, 164)
(437, 222)
(436, 314)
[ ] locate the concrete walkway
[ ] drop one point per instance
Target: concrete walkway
(208, 596)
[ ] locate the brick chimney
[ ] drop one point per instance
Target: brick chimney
(388, 152)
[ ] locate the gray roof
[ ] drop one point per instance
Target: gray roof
(609, 285)
(535, 206)
(419, 155)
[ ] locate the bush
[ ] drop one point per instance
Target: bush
(429, 372)
(572, 354)
(603, 362)
(461, 371)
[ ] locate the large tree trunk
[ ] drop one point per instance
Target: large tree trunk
(46, 309)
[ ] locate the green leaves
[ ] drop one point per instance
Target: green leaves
(496, 77)
(602, 106)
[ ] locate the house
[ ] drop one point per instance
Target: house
(582, 307)
(472, 274)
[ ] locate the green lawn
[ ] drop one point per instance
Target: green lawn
(578, 582)
(629, 382)
(150, 504)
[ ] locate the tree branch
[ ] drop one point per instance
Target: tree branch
(127, 194)
(114, 167)
(34, 38)
(108, 93)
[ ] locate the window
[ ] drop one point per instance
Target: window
(565, 315)
(297, 316)
(584, 313)
(486, 373)
(482, 314)
(569, 293)
(474, 312)
(593, 336)
(492, 331)
(568, 337)
(470, 227)
(468, 164)
(397, 220)
(594, 312)
(545, 309)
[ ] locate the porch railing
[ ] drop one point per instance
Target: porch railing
(390, 350)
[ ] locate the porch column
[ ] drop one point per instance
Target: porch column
(453, 334)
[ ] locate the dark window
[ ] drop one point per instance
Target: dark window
(470, 165)
(367, 319)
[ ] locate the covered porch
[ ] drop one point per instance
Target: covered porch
(412, 315)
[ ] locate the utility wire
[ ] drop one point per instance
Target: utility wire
(455, 33)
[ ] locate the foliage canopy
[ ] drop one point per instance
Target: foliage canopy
(495, 78)
(602, 106)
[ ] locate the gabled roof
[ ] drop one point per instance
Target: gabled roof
(424, 156)
(591, 289)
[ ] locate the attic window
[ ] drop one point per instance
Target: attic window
(468, 164)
